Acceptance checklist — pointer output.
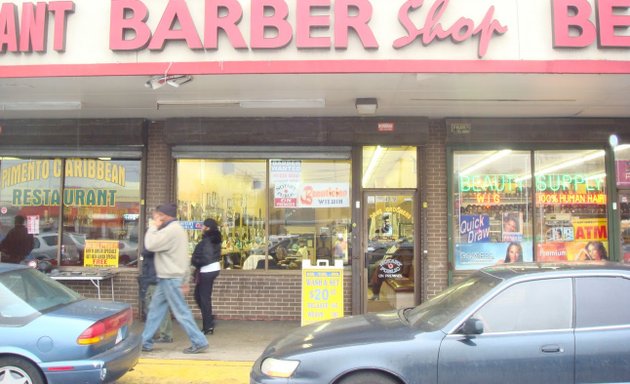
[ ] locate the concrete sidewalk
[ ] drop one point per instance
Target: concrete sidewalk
(234, 347)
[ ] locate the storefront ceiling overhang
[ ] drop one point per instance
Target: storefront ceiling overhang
(283, 95)
(270, 152)
(130, 152)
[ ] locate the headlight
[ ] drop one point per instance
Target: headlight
(278, 368)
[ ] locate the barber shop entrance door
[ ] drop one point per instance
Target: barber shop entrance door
(388, 243)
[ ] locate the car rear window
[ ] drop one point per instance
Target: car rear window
(26, 293)
(602, 301)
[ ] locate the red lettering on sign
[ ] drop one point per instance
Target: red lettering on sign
(34, 26)
(308, 22)
(233, 13)
(359, 23)
(591, 232)
(609, 22)
(276, 22)
(572, 27)
(463, 29)
(127, 18)
(269, 25)
(176, 11)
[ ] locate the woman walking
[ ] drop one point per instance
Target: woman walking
(205, 259)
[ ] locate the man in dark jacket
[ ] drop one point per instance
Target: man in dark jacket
(18, 243)
(148, 281)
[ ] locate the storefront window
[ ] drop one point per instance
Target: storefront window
(622, 167)
(389, 167)
(571, 222)
(231, 192)
(310, 214)
(491, 208)
(101, 207)
(493, 220)
(308, 205)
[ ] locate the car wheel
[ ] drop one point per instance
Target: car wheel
(16, 370)
(368, 378)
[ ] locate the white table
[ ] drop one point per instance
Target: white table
(94, 277)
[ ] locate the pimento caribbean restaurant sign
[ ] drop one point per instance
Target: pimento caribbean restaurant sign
(228, 31)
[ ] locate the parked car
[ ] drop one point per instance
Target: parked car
(47, 243)
(519, 323)
(50, 334)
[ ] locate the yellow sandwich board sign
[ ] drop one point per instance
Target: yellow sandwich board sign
(322, 291)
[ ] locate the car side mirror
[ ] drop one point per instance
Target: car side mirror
(472, 326)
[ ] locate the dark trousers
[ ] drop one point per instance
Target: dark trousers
(203, 297)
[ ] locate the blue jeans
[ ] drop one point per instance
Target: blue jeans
(168, 294)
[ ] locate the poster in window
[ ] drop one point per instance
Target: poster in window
(474, 228)
(512, 226)
(474, 256)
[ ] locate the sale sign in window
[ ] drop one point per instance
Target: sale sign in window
(101, 253)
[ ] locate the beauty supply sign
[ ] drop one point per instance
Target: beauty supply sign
(134, 37)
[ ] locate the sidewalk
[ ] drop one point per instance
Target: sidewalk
(234, 347)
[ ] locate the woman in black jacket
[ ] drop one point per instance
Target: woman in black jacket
(205, 258)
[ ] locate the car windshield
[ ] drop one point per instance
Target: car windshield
(25, 293)
(437, 312)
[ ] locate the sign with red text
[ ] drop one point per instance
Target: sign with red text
(128, 37)
(325, 195)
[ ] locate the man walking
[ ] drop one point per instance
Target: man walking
(169, 241)
(148, 282)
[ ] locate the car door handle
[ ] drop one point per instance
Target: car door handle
(551, 349)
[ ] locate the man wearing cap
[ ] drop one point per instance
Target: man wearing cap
(169, 241)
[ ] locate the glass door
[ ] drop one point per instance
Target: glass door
(389, 250)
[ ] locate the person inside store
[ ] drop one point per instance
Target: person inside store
(341, 247)
(148, 282)
(279, 262)
(386, 229)
(18, 243)
(206, 260)
(513, 254)
(302, 250)
(323, 250)
(169, 240)
(594, 250)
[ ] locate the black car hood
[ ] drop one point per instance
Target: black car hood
(353, 330)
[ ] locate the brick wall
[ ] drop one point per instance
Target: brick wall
(239, 295)
(436, 261)
(276, 295)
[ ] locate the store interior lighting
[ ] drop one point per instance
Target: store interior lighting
(41, 106)
(247, 104)
(565, 164)
(374, 161)
(283, 103)
(366, 106)
(488, 160)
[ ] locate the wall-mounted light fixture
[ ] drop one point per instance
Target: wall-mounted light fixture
(366, 105)
(248, 104)
(40, 106)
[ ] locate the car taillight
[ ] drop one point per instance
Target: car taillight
(106, 328)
